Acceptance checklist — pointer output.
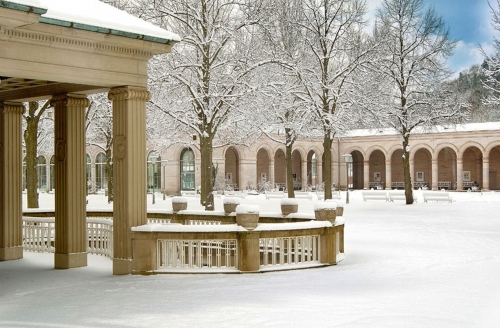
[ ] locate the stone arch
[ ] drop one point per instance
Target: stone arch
(280, 168)
(232, 168)
(493, 152)
(297, 156)
(313, 165)
(472, 162)
(263, 168)
(187, 169)
(358, 170)
(446, 160)
(376, 167)
(422, 167)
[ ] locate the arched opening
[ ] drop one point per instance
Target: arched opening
(423, 169)
(494, 168)
(297, 170)
(358, 170)
(41, 171)
(232, 167)
(473, 168)
(101, 172)
(377, 170)
(263, 177)
(154, 171)
(447, 169)
(187, 170)
(280, 169)
(88, 173)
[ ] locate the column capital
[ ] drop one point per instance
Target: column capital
(70, 100)
(12, 107)
(129, 93)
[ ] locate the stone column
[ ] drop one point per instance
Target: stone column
(319, 172)
(366, 175)
(435, 174)
(271, 173)
(460, 173)
(11, 177)
(303, 175)
(71, 185)
(486, 174)
(388, 174)
(129, 168)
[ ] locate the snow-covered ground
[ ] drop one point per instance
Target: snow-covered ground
(424, 265)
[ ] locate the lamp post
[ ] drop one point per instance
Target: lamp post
(153, 162)
(348, 163)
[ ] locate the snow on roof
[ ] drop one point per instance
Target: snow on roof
(470, 127)
(97, 16)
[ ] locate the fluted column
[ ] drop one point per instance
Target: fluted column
(71, 161)
(129, 169)
(11, 244)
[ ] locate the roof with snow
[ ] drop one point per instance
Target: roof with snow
(93, 15)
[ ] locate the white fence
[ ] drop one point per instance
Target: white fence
(197, 254)
(289, 251)
(39, 235)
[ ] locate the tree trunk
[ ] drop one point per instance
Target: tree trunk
(289, 176)
(207, 195)
(31, 141)
(406, 170)
(327, 164)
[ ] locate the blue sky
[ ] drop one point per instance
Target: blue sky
(469, 22)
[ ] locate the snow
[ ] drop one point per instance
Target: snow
(422, 265)
(289, 201)
(98, 14)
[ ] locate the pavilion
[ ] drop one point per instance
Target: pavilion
(63, 51)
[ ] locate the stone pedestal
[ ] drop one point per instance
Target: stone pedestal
(179, 204)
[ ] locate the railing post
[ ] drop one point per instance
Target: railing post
(249, 251)
(144, 252)
(328, 246)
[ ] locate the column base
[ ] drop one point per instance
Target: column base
(68, 261)
(11, 253)
(122, 266)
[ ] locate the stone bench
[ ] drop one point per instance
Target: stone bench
(398, 195)
(234, 193)
(437, 196)
(335, 195)
(189, 193)
(374, 195)
(302, 194)
(275, 194)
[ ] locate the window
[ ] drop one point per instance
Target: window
(187, 170)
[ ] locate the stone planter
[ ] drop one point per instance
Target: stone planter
(179, 204)
(230, 204)
(247, 216)
(340, 210)
(325, 211)
(288, 206)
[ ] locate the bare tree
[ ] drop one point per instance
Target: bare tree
(33, 117)
(491, 66)
(334, 50)
(414, 45)
(208, 75)
(99, 130)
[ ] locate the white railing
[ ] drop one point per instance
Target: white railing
(158, 221)
(289, 251)
(39, 235)
(203, 222)
(197, 254)
(100, 236)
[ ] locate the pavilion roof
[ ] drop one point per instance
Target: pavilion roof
(95, 16)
